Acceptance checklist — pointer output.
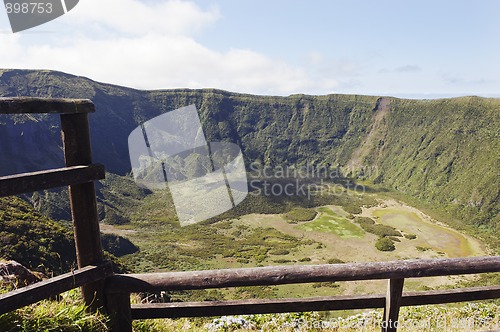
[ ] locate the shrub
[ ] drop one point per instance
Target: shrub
(352, 209)
(279, 252)
(329, 284)
(305, 259)
(369, 225)
(422, 249)
(394, 239)
(300, 215)
(410, 236)
(385, 244)
(364, 221)
(282, 261)
(335, 261)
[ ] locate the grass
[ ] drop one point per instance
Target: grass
(469, 317)
(329, 221)
(428, 233)
(68, 314)
(450, 218)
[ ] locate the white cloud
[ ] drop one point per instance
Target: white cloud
(153, 46)
(10, 45)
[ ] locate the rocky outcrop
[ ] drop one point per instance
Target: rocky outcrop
(15, 275)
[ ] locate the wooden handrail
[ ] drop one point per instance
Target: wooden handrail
(32, 105)
(280, 275)
(344, 302)
(79, 174)
(119, 287)
(255, 306)
(35, 181)
(42, 290)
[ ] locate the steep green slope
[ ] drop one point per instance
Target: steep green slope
(32, 239)
(445, 152)
(44, 245)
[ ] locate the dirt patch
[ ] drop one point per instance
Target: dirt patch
(112, 229)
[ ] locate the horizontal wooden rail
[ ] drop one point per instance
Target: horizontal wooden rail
(51, 287)
(451, 295)
(254, 306)
(266, 306)
(29, 182)
(280, 275)
(29, 105)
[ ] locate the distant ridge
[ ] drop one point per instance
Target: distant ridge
(444, 151)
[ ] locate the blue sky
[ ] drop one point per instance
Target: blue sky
(420, 49)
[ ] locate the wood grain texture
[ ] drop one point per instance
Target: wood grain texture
(35, 181)
(392, 304)
(263, 306)
(77, 151)
(30, 105)
(33, 293)
(281, 275)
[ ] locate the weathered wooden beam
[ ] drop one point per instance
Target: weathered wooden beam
(280, 275)
(392, 305)
(254, 306)
(48, 288)
(451, 295)
(265, 306)
(30, 105)
(34, 181)
(119, 312)
(77, 151)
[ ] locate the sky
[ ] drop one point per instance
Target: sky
(416, 49)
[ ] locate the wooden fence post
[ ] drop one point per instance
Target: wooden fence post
(119, 311)
(392, 305)
(77, 151)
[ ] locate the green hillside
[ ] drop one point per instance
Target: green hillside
(32, 239)
(444, 152)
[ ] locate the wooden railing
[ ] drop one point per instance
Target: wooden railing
(119, 287)
(103, 290)
(49, 288)
(79, 174)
